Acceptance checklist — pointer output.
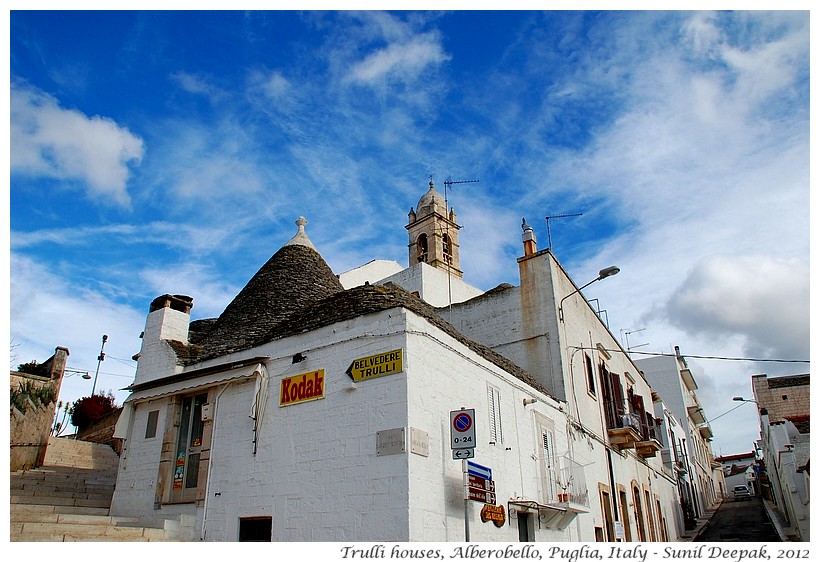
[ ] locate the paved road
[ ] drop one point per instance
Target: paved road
(744, 521)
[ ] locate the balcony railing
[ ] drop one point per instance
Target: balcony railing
(625, 432)
(567, 484)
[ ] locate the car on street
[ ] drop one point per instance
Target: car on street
(741, 492)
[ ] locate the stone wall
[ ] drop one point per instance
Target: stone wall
(29, 430)
(102, 431)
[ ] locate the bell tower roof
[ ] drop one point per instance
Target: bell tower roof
(430, 202)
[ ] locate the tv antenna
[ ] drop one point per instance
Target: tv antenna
(448, 182)
(562, 216)
(625, 336)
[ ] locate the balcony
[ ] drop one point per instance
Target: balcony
(647, 448)
(627, 432)
(564, 496)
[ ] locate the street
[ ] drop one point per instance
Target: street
(744, 521)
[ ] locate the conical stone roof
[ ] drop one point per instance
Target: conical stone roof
(295, 277)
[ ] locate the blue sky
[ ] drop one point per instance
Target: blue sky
(171, 152)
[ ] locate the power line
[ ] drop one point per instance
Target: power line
(690, 356)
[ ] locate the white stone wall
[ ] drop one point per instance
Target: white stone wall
(441, 381)
(371, 272)
(433, 285)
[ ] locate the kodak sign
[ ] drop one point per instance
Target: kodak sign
(302, 388)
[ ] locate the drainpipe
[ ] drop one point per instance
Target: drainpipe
(612, 483)
(210, 463)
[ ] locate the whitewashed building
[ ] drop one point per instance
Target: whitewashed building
(700, 477)
(316, 408)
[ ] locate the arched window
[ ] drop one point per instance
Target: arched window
(421, 248)
(448, 254)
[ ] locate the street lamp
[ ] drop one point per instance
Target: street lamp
(603, 274)
(100, 359)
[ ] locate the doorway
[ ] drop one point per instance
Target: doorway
(188, 449)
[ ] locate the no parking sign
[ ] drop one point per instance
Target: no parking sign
(462, 429)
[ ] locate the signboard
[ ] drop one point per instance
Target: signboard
(374, 366)
(480, 483)
(302, 388)
(494, 513)
(480, 496)
(462, 429)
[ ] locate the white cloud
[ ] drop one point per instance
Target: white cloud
(197, 85)
(760, 298)
(65, 144)
(403, 61)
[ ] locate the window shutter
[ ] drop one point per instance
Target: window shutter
(617, 394)
(494, 403)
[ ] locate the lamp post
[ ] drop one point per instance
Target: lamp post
(603, 274)
(100, 359)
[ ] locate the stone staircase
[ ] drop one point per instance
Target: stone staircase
(68, 498)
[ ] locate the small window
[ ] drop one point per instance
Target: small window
(590, 374)
(255, 529)
(151, 426)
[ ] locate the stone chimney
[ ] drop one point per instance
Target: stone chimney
(168, 319)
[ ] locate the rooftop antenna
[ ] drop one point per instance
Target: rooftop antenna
(562, 216)
(626, 339)
(448, 182)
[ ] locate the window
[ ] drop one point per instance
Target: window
(255, 529)
(590, 374)
(151, 426)
(494, 417)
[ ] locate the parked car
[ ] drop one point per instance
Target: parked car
(741, 492)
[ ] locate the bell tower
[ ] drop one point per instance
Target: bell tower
(433, 233)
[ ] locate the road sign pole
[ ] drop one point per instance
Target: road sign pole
(466, 503)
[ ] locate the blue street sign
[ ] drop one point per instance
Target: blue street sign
(481, 471)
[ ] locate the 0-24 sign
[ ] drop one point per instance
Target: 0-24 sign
(462, 429)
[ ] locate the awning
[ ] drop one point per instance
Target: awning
(203, 382)
(260, 401)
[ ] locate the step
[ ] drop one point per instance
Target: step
(69, 501)
(49, 509)
(101, 531)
